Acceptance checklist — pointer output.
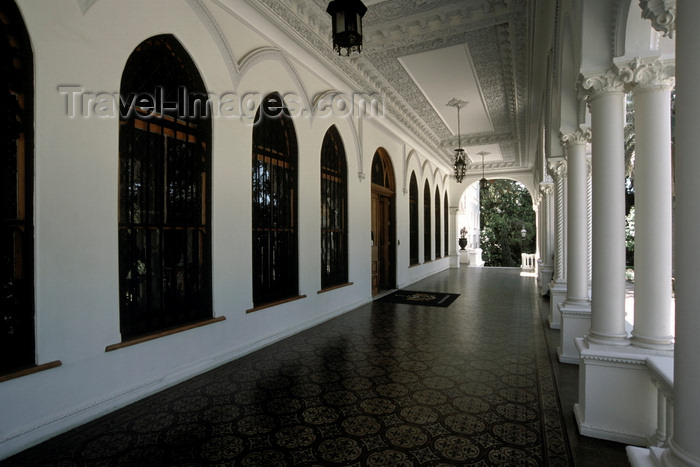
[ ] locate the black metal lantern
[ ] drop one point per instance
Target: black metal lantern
(483, 183)
(347, 25)
(460, 164)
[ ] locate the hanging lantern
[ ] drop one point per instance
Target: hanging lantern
(347, 25)
(460, 164)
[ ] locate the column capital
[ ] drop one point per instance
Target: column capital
(614, 79)
(578, 137)
(650, 73)
(454, 210)
(546, 188)
(557, 168)
(662, 14)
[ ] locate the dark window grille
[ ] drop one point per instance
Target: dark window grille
(413, 219)
(438, 237)
(274, 193)
(446, 231)
(426, 221)
(16, 157)
(164, 192)
(334, 235)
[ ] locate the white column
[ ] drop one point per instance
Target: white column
(546, 235)
(557, 287)
(653, 189)
(576, 308)
(606, 100)
(454, 228)
(685, 443)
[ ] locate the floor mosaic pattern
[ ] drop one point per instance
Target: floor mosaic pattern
(383, 385)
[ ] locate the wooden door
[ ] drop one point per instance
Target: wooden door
(375, 243)
(382, 243)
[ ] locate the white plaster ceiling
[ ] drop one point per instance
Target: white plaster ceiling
(419, 54)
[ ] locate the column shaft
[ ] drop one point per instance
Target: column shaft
(608, 256)
(684, 445)
(653, 228)
(577, 214)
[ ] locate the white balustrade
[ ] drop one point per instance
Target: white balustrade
(528, 261)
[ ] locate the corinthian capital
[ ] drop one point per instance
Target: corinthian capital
(651, 73)
(662, 14)
(577, 137)
(557, 168)
(613, 80)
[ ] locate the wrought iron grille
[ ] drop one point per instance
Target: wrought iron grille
(164, 188)
(413, 219)
(438, 237)
(446, 231)
(16, 157)
(334, 235)
(274, 230)
(426, 221)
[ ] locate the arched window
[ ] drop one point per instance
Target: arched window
(275, 231)
(16, 157)
(446, 230)
(334, 214)
(426, 221)
(413, 219)
(164, 191)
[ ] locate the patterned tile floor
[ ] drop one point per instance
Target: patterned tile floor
(386, 384)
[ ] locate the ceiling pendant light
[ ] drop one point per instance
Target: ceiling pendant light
(347, 25)
(483, 183)
(460, 158)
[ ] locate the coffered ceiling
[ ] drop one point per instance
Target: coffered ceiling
(419, 54)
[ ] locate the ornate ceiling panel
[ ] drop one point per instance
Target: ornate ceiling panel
(400, 32)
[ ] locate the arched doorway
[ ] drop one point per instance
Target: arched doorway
(383, 223)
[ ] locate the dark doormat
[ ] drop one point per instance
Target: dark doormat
(412, 297)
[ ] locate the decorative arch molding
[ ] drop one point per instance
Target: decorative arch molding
(271, 53)
(216, 34)
(412, 160)
(315, 101)
(426, 169)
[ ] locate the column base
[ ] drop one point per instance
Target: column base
(652, 343)
(643, 457)
(617, 399)
(575, 322)
(544, 277)
(659, 457)
(557, 294)
(454, 261)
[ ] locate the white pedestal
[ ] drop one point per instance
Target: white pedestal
(463, 256)
(617, 400)
(475, 258)
(575, 322)
(557, 294)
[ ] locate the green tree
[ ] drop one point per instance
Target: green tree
(506, 208)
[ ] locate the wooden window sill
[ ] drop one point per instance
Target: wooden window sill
(30, 371)
(334, 287)
(278, 302)
(157, 335)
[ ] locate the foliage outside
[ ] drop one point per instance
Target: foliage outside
(506, 208)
